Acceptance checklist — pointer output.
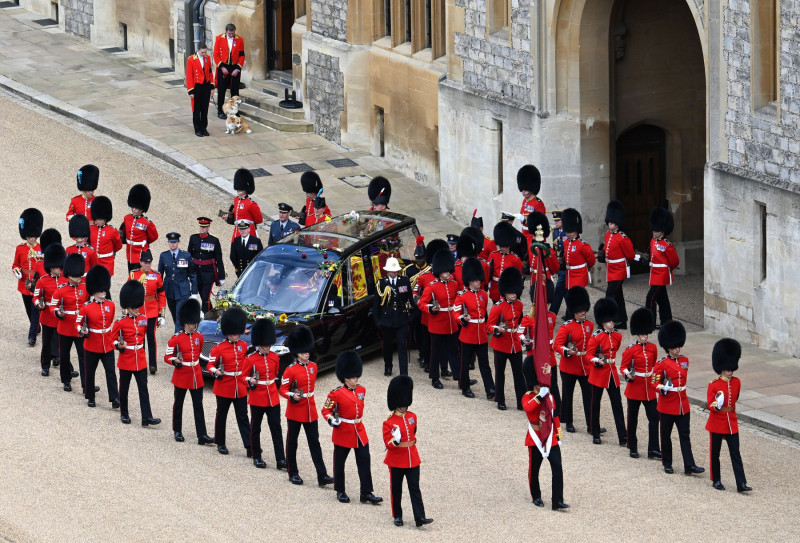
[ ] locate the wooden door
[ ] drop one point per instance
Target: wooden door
(279, 18)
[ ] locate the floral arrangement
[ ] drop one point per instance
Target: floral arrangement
(350, 217)
(253, 311)
(390, 245)
(329, 267)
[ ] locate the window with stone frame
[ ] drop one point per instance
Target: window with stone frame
(765, 38)
(420, 23)
(498, 19)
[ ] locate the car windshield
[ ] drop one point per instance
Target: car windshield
(343, 231)
(285, 279)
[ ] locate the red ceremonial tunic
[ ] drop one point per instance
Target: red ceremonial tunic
(551, 265)
(244, 208)
(70, 298)
(536, 412)
(663, 259)
(46, 287)
(266, 392)
(606, 344)
(497, 263)
(674, 402)
(140, 232)
(189, 375)
(643, 359)
(303, 377)
(25, 259)
(511, 312)
(528, 325)
(349, 404)
(317, 220)
(229, 357)
(229, 55)
(528, 207)
(99, 319)
(473, 305)
(618, 250)
(198, 73)
(445, 321)
(87, 252)
(489, 247)
(310, 211)
(723, 420)
(80, 205)
(578, 259)
(106, 242)
(154, 298)
(424, 279)
(577, 333)
(405, 454)
(134, 330)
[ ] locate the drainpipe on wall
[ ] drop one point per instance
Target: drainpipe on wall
(194, 26)
(199, 22)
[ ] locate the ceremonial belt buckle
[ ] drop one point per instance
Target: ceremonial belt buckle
(134, 347)
(476, 321)
(307, 395)
(581, 353)
(232, 373)
(137, 243)
(70, 312)
(265, 383)
(190, 364)
(101, 330)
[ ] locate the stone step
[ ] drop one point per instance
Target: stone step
(269, 103)
(274, 121)
(270, 87)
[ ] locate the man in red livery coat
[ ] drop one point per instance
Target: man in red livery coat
(663, 259)
(155, 302)
(229, 58)
(473, 336)
(261, 371)
(137, 231)
(79, 231)
(425, 278)
(64, 306)
(95, 323)
(199, 85)
(723, 393)
(504, 323)
(570, 343)
(226, 362)
(312, 186)
(46, 286)
(578, 255)
(297, 386)
(81, 204)
(130, 330)
(529, 182)
(669, 376)
(243, 208)
(183, 352)
(601, 357)
(617, 252)
(26, 257)
(344, 409)
(400, 438)
(543, 438)
(104, 238)
(502, 258)
(638, 361)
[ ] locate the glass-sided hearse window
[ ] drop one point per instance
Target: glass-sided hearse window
(399, 245)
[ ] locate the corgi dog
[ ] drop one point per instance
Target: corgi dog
(231, 106)
(235, 124)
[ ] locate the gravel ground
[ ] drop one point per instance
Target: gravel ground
(72, 473)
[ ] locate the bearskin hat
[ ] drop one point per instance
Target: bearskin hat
(310, 182)
(472, 270)
(379, 190)
(98, 280)
(529, 373)
(79, 227)
(529, 178)
(131, 295)
(139, 197)
(300, 340)
(726, 355)
(49, 237)
(615, 212)
(672, 334)
(400, 392)
(605, 310)
(189, 313)
(54, 256)
(263, 333)
(467, 245)
(102, 208)
(577, 300)
(31, 222)
(243, 180)
(642, 322)
(661, 220)
(510, 282)
(476, 235)
(74, 265)
(536, 218)
(504, 234)
(233, 322)
(443, 261)
(477, 222)
(571, 221)
(88, 177)
(348, 364)
(433, 247)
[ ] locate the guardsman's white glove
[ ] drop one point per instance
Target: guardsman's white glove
(334, 422)
(17, 273)
(396, 434)
(161, 321)
(720, 399)
(544, 391)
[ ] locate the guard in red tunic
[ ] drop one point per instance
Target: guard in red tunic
(502, 258)
(80, 231)
(87, 179)
(400, 437)
(297, 386)
(320, 215)
(199, 86)
(103, 237)
(669, 376)
(50, 236)
(544, 437)
(504, 323)
(312, 186)
(130, 330)
(26, 256)
(438, 301)
(226, 363)
(46, 286)
(601, 357)
(617, 252)
(638, 361)
(423, 279)
(183, 352)
(243, 208)
(261, 371)
(155, 302)
(529, 182)
(578, 255)
(136, 230)
(663, 259)
(571, 341)
(528, 343)
(344, 409)
(474, 340)
(723, 393)
(379, 192)
(64, 306)
(95, 323)
(229, 58)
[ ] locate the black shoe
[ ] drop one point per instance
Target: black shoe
(259, 463)
(222, 116)
(295, 480)
(198, 134)
(205, 440)
(654, 454)
(91, 403)
(447, 373)
(437, 383)
(222, 449)
(718, 485)
(559, 505)
(96, 388)
(326, 480)
(281, 464)
(490, 394)
(74, 373)
(634, 454)
(45, 373)
(371, 498)
(153, 370)
(468, 393)
(205, 133)
(623, 442)
(570, 429)
(115, 405)
(342, 497)
(668, 469)
(31, 342)
(538, 502)
(150, 421)
(125, 419)
(398, 521)
(473, 382)
(179, 437)
(55, 362)
(597, 441)
(67, 387)
(387, 373)
(422, 521)
(501, 406)
(743, 488)
(693, 469)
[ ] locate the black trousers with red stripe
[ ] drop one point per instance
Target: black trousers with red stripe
(650, 409)
(535, 464)
(48, 332)
(444, 349)
(240, 408)
(468, 352)
(568, 390)
(273, 415)
(152, 346)
(197, 406)
(411, 475)
(515, 359)
(141, 385)
(65, 367)
(361, 453)
(614, 291)
(616, 408)
(312, 437)
(657, 296)
(92, 359)
(736, 457)
(682, 423)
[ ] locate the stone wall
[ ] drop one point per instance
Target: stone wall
(329, 18)
(180, 37)
(78, 17)
(325, 94)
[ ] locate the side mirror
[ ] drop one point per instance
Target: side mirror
(333, 310)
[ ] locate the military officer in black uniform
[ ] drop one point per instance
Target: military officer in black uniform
(244, 248)
(283, 226)
(180, 278)
(206, 254)
(392, 314)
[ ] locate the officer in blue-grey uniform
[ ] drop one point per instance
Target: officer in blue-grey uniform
(180, 278)
(452, 243)
(283, 226)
